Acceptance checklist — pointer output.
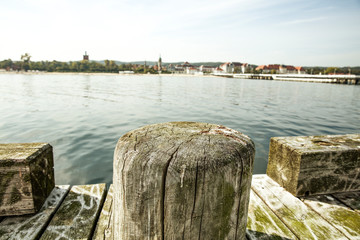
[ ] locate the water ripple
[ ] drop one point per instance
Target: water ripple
(84, 116)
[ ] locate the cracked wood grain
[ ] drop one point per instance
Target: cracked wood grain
(30, 227)
(26, 177)
(300, 219)
(77, 215)
(182, 180)
(103, 229)
(263, 224)
(312, 165)
(337, 214)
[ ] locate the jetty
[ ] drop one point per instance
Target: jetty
(84, 212)
(334, 79)
(311, 189)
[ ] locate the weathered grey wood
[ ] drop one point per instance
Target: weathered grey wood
(300, 219)
(263, 224)
(26, 177)
(31, 226)
(315, 164)
(182, 181)
(103, 229)
(350, 199)
(77, 215)
(340, 216)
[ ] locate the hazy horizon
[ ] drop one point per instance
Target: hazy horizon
(300, 33)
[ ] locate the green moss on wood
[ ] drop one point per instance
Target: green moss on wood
(2, 232)
(15, 196)
(222, 212)
(7, 163)
(4, 183)
(27, 177)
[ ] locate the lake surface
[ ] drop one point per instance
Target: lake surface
(83, 116)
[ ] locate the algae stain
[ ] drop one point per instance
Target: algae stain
(4, 183)
(222, 212)
(15, 196)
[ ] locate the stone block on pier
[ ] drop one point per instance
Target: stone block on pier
(315, 164)
(26, 177)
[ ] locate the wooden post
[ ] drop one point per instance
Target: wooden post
(315, 164)
(26, 177)
(182, 180)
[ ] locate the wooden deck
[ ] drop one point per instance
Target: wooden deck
(84, 212)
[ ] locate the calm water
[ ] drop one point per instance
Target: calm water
(83, 116)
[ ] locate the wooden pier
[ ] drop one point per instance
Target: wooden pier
(84, 212)
(334, 79)
(311, 189)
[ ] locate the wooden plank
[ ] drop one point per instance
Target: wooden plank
(350, 199)
(103, 229)
(262, 223)
(77, 215)
(340, 216)
(301, 220)
(31, 226)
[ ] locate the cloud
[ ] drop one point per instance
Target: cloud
(301, 21)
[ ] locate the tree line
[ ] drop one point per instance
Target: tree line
(108, 66)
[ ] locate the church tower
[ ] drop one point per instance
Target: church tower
(159, 64)
(86, 57)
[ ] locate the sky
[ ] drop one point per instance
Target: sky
(300, 33)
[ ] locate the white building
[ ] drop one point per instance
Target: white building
(191, 70)
(227, 67)
(218, 70)
(206, 69)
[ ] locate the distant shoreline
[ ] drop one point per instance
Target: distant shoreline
(103, 74)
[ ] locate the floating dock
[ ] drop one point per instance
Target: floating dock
(84, 212)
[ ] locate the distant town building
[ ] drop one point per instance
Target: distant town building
(191, 70)
(206, 69)
(218, 70)
(86, 57)
(300, 70)
(227, 67)
(182, 68)
(280, 69)
(171, 68)
(235, 67)
(159, 64)
(245, 68)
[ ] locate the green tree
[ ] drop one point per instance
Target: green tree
(107, 63)
(84, 66)
(331, 70)
(112, 66)
(7, 64)
(26, 61)
(237, 70)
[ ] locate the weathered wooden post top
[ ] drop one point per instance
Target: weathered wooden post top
(26, 177)
(313, 165)
(182, 180)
